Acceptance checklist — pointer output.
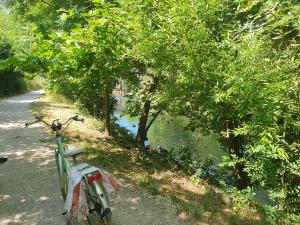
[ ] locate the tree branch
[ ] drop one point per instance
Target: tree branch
(153, 119)
(49, 4)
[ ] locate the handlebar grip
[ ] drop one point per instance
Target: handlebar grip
(30, 123)
(77, 118)
(80, 119)
(37, 119)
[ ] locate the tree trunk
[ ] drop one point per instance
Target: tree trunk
(153, 119)
(141, 136)
(235, 148)
(106, 113)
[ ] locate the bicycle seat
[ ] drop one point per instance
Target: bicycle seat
(72, 151)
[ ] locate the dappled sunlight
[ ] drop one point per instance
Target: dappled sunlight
(166, 192)
(145, 208)
(30, 194)
(134, 200)
(12, 125)
(43, 198)
(187, 185)
(55, 110)
(33, 155)
(19, 101)
(4, 197)
(24, 218)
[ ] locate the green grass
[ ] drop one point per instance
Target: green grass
(174, 197)
(34, 84)
(147, 182)
(198, 212)
(117, 154)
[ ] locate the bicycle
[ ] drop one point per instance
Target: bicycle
(99, 211)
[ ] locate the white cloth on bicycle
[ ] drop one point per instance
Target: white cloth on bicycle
(76, 203)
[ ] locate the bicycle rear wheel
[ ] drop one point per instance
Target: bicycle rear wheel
(97, 215)
(94, 218)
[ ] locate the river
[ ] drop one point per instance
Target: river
(170, 132)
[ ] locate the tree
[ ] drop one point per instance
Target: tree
(15, 44)
(230, 67)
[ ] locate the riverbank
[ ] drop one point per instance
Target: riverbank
(170, 132)
(191, 203)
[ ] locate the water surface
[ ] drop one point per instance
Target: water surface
(170, 133)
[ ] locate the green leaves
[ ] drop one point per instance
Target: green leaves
(230, 67)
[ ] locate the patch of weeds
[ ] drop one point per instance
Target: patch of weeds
(208, 206)
(140, 178)
(174, 197)
(233, 220)
(243, 198)
(154, 189)
(196, 179)
(198, 212)
(147, 182)
(122, 137)
(107, 160)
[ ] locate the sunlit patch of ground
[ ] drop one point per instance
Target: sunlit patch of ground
(201, 203)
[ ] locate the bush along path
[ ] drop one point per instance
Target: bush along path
(154, 191)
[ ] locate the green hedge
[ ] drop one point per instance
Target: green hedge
(14, 83)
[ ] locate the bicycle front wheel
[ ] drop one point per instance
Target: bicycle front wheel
(62, 174)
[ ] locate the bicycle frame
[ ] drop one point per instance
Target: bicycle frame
(93, 188)
(64, 165)
(63, 162)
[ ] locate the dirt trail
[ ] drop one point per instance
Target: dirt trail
(138, 207)
(29, 192)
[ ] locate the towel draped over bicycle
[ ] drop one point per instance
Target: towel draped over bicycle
(76, 202)
(88, 191)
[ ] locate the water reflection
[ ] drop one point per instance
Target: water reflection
(130, 123)
(170, 133)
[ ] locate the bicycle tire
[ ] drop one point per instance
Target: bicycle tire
(65, 185)
(95, 212)
(99, 222)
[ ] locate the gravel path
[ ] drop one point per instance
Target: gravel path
(138, 207)
(29, 192)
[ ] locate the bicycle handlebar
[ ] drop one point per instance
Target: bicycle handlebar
(76, 118)
(53, 125)
(37, 119)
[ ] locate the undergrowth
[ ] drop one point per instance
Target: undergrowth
(200, 201)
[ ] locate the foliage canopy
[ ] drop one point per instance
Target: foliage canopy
(230, 67)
